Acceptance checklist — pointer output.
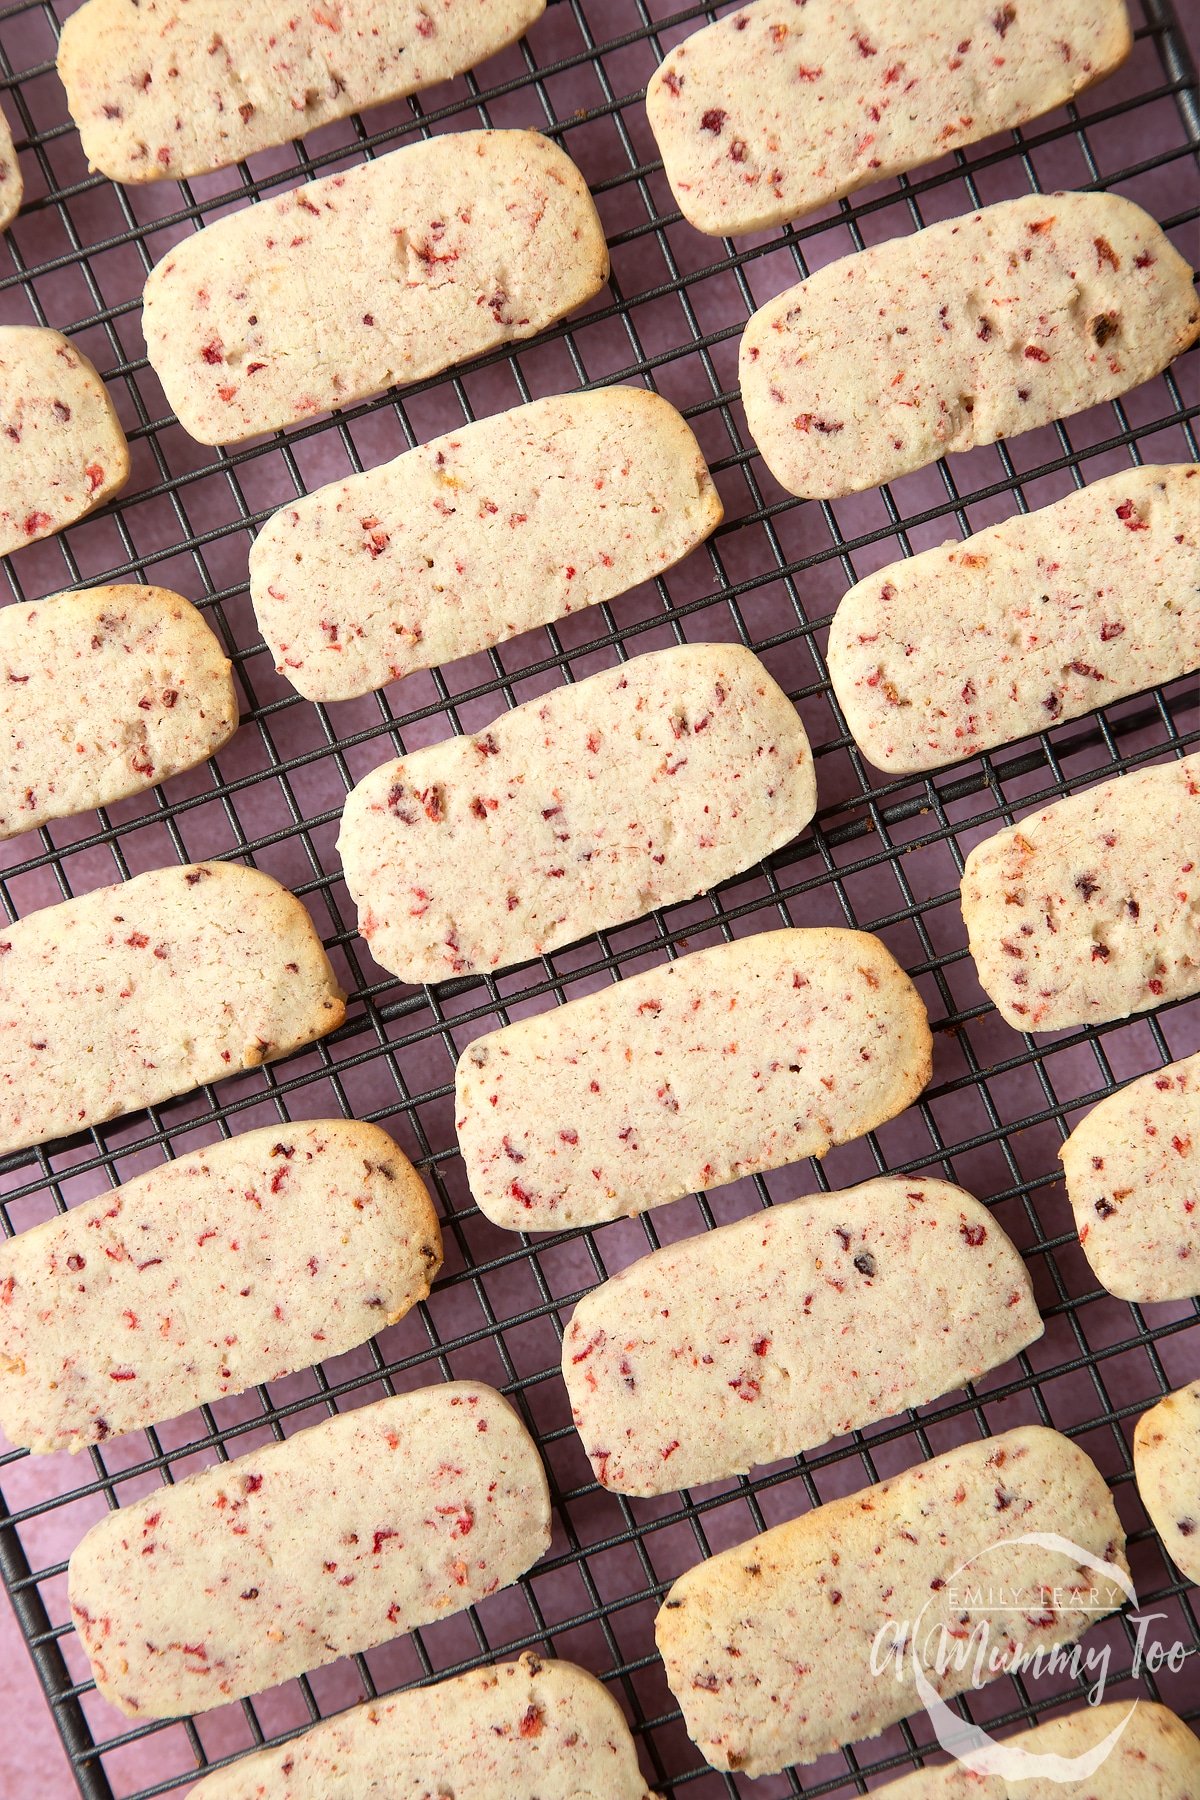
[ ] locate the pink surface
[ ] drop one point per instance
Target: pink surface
(32, 1765)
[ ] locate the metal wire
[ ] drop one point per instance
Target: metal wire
(883, 855)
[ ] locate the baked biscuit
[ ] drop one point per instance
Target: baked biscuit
(132, 994)
(391, 271)
(108, 691)
(229, 1266)
(636, 788)
(489, 531)
(974, 329)
(714, 1066)
(62, 450)
(352, 1532)
(165, 89)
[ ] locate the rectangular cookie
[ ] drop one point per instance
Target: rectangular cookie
(517, 1730)
(62, 450)
(1155, 1757)
(165, 89)
(770, 1647)
(1166, 1463)
(12, 187)
(1132, 1168)
(230, 1266)
(102, 694)
(722, 1063)
(1028, 311)
(1041, 618)
(778, 108)
(774, 1334)
(1090, 909)
(132, 994)
(466, 541)
(378, 276)
(636, 788)
(357, 1530)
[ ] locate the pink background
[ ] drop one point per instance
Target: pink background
(179, 493)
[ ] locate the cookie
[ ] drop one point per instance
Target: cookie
(357, 1530)
(775, 110)
(772, 1335)
(230, 1266)
(1090, 909)
(510, 1732)
(12, 187)
(378, 276)
(62, 450)
(1156, 1757)
(1166, 1462)
(102, 694)
(688, 1076)
(1133, 1177)
(131, 994)
(637, 788)
(1028, 311)
(769, 1647)
(165, 89)
(494, 529)
(1038, 619)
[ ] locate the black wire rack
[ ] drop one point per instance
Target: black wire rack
(882, 855)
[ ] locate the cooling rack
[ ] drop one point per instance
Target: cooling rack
(884, 855)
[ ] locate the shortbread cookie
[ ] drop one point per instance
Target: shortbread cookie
(521, 1729)
(1156, 1757)
(102, 694)
(776, 110)
(62, 450)
(769, 1646)
(1133, 1177)
(1166, 1462)
(132, 994)
(232, 1265)
(12, 187)
(971, 330)
(636, 788)
(1041, 618)
(171, 88)
(359, 1529)
(1090, 909)
(717, 1065)
(392, 271)
(770, 1336)
(476, 536)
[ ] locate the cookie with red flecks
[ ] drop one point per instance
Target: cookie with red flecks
(488, 531)
(809, 1636)
(1166, 1462)
(519, 1728)
(735, 1059)
(162, 90)
(768, 1337)
(1132, 1167)
(780, 108)
(229, 1266)
(1089, 910)
(103, 693)
(368, 1525)
(974, 329)
(62, 449)
(373, 277)
(132, 994)
(576, 811)
(1039, 619)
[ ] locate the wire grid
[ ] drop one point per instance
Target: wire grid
(883, 855)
